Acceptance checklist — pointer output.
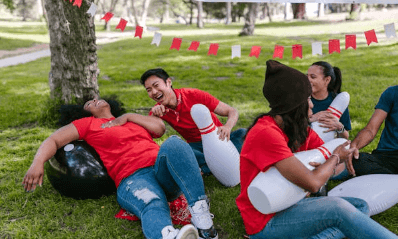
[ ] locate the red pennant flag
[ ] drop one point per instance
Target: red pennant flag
(107, 16)
(297, 51)
(176, 44)
(122, 24)
(77, 3)
(194, 46)
(278, 51)
(370, 36)
(138, 31)
(334, 46)
(350, 41)
(255, 51)
(213, 49)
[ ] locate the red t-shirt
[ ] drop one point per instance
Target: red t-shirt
(265, 145)
(180, 118)
(122, 149)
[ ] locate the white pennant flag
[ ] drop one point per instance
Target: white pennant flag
(235, 51)
(156, 38)
(390, 30)
(317, 48)
(92, 9)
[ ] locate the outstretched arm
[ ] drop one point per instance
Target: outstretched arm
(152, 123)
(223, 109)
(34, 175)
(365, 136)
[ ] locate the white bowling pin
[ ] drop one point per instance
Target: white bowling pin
(221, 157)
(337, 108)
(380, 191)
(271, 192)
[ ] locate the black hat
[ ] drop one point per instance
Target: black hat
(285, 88)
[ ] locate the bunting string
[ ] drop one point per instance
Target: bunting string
(333, 45)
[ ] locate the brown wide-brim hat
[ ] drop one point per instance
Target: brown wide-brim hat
(285, 88)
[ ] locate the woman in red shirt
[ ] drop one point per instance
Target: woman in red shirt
(271, 141)
(146, 176)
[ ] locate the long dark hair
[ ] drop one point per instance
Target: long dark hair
(335, 75)
(295, 125)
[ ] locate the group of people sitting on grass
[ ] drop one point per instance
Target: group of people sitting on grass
(148, 176)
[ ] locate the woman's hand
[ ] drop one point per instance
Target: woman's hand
(327, 120)
(121, 120)
(343, 152)
(33, 177)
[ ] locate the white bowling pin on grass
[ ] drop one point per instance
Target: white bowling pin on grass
(221, 157)
(337, 108)
(271, 192)
(380, 191)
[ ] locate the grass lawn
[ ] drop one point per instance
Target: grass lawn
(367, 72)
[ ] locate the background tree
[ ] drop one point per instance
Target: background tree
(250, 20)
(108, 8)
(228, 17)
(74, 68)
(298, 10)
(199, 21)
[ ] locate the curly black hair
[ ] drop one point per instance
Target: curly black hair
(70, 113)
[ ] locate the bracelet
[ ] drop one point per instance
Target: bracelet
(338, 158)
(340, 131)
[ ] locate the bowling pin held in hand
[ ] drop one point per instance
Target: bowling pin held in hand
(271, 192)
(337, 108)
(221, 156)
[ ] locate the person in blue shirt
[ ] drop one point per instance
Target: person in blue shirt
(384, 159)
(326, 83)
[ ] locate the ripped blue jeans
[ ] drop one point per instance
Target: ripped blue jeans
(146, 192)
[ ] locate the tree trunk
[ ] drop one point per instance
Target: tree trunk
(145, 7)
(298, 10)
(321, 9)
(166, 16)
(228, 17)
(200, 13)
(134, 13)
(268, 12)
(190, 12)
(250, 20)
(74, 68)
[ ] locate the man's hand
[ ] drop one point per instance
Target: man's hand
(33, 177)
(224, 132)
(159, 110)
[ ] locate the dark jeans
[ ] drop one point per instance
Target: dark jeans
(237, 137)
(376, 163)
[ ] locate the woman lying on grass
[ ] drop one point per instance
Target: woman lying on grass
(271, 141)
(146, 176)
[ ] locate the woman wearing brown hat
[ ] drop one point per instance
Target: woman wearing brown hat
(271, 141)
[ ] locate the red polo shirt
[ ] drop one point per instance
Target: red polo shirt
(180, 118)
(265, 145)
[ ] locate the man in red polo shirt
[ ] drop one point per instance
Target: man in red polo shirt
(174, 106)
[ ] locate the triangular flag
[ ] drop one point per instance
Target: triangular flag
(78, 3)
(122, 24)
(317, 48)
(92, 9)
(107, 16)
(176, 44)
(370, 36)
(297, 51)
(194, 46)
(278, 51)
(156, 38)
(351, 41)
(334, 46)
(390, 30)
(235, 51)
(255, 51)
(138, 31)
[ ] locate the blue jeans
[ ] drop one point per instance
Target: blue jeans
(325, 217)
(146, 192)
(237, 137)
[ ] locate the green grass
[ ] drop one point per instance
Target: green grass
(24, 93)
(12, 44)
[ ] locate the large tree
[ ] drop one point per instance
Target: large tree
(250, 20)
(74, 68)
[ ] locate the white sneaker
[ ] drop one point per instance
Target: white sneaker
(186, 232)
(202, 220)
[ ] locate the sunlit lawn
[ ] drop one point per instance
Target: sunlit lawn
(24, 92)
